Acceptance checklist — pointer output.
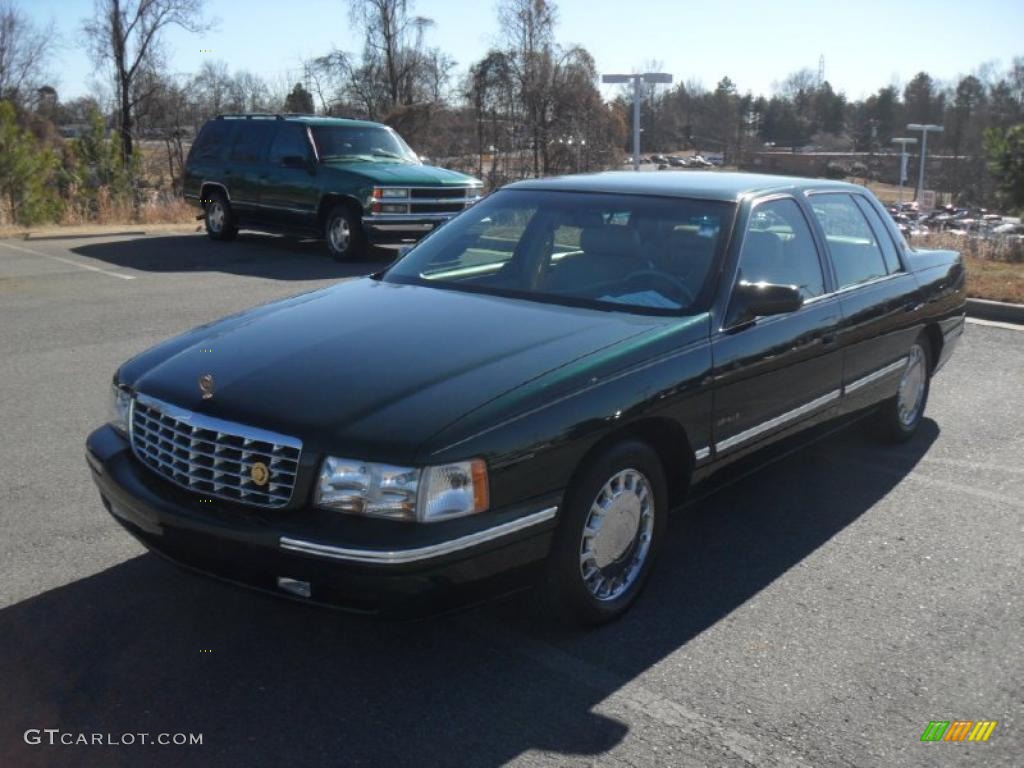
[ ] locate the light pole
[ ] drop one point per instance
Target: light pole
(637, 80)
(924, 129)
(903, 161)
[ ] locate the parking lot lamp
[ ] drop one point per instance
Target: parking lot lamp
(637, 80)
(924, 129)
(903, 142)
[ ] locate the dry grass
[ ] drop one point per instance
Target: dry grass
(994, 271)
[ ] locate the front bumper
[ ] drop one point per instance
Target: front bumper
(382, 227)
(320, 557)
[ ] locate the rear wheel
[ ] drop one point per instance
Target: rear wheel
(220, 220)
(343, 232)
(900, 416)
(612, 525)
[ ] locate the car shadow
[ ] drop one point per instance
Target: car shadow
(143, 647)
(251, 254)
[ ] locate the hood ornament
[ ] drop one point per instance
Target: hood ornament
(206, 385)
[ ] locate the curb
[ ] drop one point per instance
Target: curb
(996, 310)
(82, 235)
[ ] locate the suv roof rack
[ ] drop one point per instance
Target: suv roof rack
(249, 115)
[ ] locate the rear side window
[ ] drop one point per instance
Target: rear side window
(856, 254)
(251, 141)
(778, 248)
(892, 260)
(212, 140)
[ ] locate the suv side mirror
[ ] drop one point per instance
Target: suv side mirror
(294, 161)
(751, 300)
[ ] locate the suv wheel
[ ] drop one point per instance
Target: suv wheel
(220, 220)
(344, 234)
(613, 521)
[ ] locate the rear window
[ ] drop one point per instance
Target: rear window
(211, 141)
(856, 253)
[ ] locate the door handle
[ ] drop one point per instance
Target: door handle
(912, 306)
(827, 339)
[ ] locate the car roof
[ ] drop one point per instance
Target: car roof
(707, 185)
(297, 118)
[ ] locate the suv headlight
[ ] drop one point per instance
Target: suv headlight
(119, 408)
(391, 193)
(424, 495)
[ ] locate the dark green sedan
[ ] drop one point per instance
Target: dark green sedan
(524, 397)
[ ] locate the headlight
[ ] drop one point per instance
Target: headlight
(120, 408)
(403, 493)
(390, 193)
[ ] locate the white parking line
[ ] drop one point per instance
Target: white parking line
(995, 324)
(67, 261)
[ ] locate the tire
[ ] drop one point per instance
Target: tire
(219, 218)
(593, 577)
(900, 416)
(343, 232)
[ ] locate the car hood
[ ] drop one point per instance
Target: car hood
(369, 368)
(402, 173)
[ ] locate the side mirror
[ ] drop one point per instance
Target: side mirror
(294, 161)
(752, 300)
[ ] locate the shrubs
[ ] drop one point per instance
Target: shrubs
(28, 174)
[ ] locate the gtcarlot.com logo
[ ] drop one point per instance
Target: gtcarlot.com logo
(958, 730)
(55, 736)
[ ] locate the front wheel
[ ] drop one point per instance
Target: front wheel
(900, 416)
(344, 234)
(613, 522)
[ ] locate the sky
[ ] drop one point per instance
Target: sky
(867, 44)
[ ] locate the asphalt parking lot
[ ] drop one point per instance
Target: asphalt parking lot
(819, 612)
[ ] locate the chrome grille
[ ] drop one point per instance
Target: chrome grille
(428, 200)
(213, 457)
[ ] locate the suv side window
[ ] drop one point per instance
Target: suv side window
(290, 141)
(211, 141)
(892, 260)
(856, 254)
(251, 141)
(779, 248)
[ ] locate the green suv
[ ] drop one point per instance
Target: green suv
(348, 181)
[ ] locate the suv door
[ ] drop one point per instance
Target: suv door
(773, 373)
(245, 169)
(290, 194)
(878, 295)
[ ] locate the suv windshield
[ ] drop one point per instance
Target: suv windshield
(645, 254)
(361, 142)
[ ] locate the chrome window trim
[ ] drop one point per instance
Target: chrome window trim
(401, 556)
(874, 376)
(779, 421)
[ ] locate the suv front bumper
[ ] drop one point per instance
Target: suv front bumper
(293, 553)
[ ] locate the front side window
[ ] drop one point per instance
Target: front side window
(779, 248)
(856, 254)
(636, 253)
(290, 141)
(361, 142)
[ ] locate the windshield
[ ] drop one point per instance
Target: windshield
(645, 254)
(361, 142)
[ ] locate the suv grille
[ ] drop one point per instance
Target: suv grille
(213, 457)
(445, 200)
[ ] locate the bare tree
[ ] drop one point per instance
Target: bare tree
(125, 34)
(25, 51)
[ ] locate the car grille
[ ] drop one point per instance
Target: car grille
(213, 457)
(429, 200)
